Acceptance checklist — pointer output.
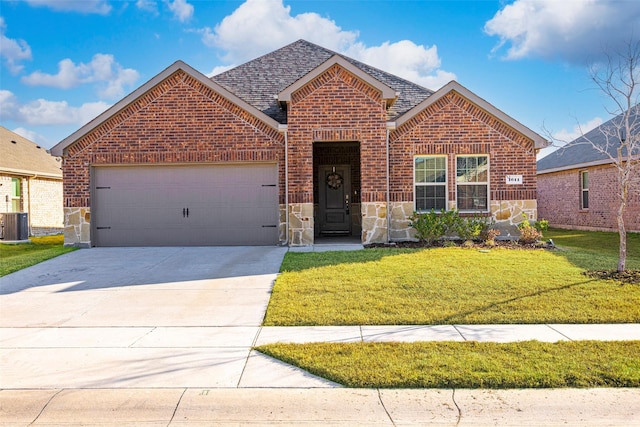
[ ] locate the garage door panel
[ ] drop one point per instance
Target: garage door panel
(185, 205)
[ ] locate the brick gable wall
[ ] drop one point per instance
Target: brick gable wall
(455, 126)
(178, 121)
(559, 200)
(336, 106)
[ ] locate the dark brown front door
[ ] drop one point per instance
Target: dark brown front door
(334, 205)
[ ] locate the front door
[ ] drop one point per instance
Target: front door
(334, 204)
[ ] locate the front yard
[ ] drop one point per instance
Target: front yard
(456, 285)
(462, 286)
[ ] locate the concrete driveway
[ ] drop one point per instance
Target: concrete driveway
(138, 317)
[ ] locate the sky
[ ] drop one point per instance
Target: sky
(63, 62)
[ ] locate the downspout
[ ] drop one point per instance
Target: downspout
(29, 178)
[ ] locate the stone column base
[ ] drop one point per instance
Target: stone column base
(374, 222)
(300, 224)
(77, 227)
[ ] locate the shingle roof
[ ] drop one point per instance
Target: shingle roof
(257, 82)
(580, 151)
(19, 156)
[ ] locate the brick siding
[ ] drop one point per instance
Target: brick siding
(337, 106)
(455, 126)
(559, 200)
(178, 121)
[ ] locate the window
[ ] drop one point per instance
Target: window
(15, 194)
(472, 183)
(430, 178)
(584, 190)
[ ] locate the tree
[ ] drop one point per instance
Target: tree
(619, 80)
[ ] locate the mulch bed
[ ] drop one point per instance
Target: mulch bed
(508, 244)
(626, 277)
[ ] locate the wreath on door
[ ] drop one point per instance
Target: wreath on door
(334, 180)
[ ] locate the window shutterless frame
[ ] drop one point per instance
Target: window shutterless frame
(584, 190)
(472, 183)
(430, 183)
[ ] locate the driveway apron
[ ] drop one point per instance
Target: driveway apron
(135, 317)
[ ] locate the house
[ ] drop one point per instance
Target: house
(31, 182)
(577, 184)
(297, 145)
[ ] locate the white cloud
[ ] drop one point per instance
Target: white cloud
(44, 112)
(182, 10)
(564, 136)
(148, 6)
(32, 136)
(257, 27)
(103, 69)
(13, 51)
(219, 69)
(413, 62)
(576, 31)
(100, 7)
(260, 26)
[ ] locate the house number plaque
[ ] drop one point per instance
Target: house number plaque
(514, 180)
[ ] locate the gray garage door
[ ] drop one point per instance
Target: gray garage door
(185, 205)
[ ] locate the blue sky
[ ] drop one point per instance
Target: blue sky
(63, 62)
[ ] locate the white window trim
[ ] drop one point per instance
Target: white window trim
(488, 184)
(582, 190)
(426, 184)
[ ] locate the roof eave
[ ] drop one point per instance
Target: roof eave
(539, 141)
(30, 173)
(582, 165)
(59, 149)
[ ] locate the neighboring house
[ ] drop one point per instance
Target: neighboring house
(577, 185)
(298, 144)
(31, 182)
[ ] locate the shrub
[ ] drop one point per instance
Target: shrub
(541, 225)
(528, 233)
(429, 226)
(471, 228)
(450, 221)
(489, 236)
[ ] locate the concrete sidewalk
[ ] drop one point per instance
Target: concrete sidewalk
(326, 407)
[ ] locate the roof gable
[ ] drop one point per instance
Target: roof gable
(580, 152)
(19, 156)
(142, 90)
(453, 86)
(260, 81)
(388, 93)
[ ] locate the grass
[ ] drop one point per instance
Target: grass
(592, 250)
(453, 285)
(528, 364)
(22, 255)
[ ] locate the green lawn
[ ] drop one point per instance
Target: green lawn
(15, 257)
(456, 285)
(528, 364)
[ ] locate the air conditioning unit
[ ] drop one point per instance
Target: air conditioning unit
(15, 226)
